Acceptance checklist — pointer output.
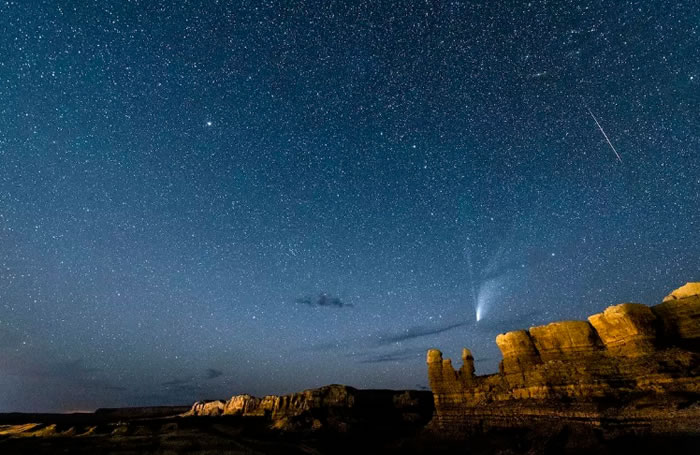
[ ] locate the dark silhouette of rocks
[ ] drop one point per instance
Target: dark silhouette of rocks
(337, 406)
(333, 419)
(631, 368)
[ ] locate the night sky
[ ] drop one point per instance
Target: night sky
(199, 199)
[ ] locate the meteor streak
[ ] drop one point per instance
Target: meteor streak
(605, 136)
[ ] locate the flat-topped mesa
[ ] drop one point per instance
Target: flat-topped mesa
(278, 406)
(626, 351)
(332, 406)
(241, 405)
(207, 408)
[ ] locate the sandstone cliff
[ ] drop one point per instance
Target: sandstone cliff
(332, 406)
(629, 366)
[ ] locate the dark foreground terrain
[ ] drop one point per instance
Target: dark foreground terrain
(100, 434)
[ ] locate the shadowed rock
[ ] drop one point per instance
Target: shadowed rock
(333, 405)
(679, 316)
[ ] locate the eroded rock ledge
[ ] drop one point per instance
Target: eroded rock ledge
(334, 406)
(631, 366)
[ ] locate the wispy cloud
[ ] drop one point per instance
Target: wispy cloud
(176, 382)
(213, 373)
(500, 325)
(112, 388)
(422, 331)
(384, 338)
(395, 356)
(485, 327)
(323, 300)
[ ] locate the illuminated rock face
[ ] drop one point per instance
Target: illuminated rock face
(685, 291)
(241, 405)
(518, 351)
(563, 339)
(628, 329)
(274, 406)
(333, 405)
(207, 408)
(573, 370)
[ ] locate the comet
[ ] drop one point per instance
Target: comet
(488, 292)
(470, 268)
(605, 136)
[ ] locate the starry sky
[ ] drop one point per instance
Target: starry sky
(199, 199)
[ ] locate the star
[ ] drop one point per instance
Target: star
(397, 168)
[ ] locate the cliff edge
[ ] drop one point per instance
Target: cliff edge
(630, 368)
(335, 407)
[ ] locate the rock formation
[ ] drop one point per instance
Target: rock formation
(334, 406)
(629, 366)
(685, 291)
(207, 408)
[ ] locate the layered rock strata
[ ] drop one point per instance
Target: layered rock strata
(332, 405)
(629, 365)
